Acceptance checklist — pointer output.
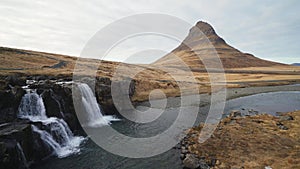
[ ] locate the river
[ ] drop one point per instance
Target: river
(92, 156)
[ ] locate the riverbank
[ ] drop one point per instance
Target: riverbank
(231, 93)
(250, 142)
(246, 142)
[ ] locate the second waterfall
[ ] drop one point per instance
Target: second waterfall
(90, 112)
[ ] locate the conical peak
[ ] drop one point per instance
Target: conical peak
(200, 33)
(205, 27)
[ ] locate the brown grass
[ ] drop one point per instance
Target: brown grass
(251, 142)
(148, 77)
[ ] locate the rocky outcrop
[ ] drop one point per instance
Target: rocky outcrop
(10, 96)
(20, 146)
(58, 101)
(10, 147)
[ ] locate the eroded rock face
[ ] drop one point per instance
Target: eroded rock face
(10, 97)
(58, 101)
(11, 156)
(20, 146)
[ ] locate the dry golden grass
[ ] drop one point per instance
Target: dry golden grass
(251, 142)
(148, 77)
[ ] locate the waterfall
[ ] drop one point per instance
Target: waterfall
(32, 106)
(94, 116)
(63, 149)
(56, 132)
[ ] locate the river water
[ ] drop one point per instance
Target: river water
(269, 103)
(92, 156)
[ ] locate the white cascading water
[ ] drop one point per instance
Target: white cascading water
(90, 104)
(32, 107)
(57, 134)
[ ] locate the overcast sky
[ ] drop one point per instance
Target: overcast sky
(268, 29)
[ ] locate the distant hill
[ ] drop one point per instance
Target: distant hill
(27, 62)
(296, 64)
(196, 43)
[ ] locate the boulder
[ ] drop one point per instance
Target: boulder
(285, 118)
(192, 162)
(235, 113)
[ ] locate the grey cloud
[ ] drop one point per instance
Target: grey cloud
(268, 29)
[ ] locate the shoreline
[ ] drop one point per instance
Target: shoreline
(231, 93)
(238, 140)
(249, 142)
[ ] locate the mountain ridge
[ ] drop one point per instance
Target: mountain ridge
(203, 42)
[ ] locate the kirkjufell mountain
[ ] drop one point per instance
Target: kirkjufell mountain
(203, 41)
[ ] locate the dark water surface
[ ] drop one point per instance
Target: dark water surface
(270, 103)
(92, 156)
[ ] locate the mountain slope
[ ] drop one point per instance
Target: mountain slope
(206, 45)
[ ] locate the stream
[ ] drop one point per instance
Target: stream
(92, 156)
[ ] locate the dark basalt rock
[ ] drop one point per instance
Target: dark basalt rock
(52, 104)
(11, 156)
(20, 146)
(9, 103)
(58, 102)
(16, 80)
